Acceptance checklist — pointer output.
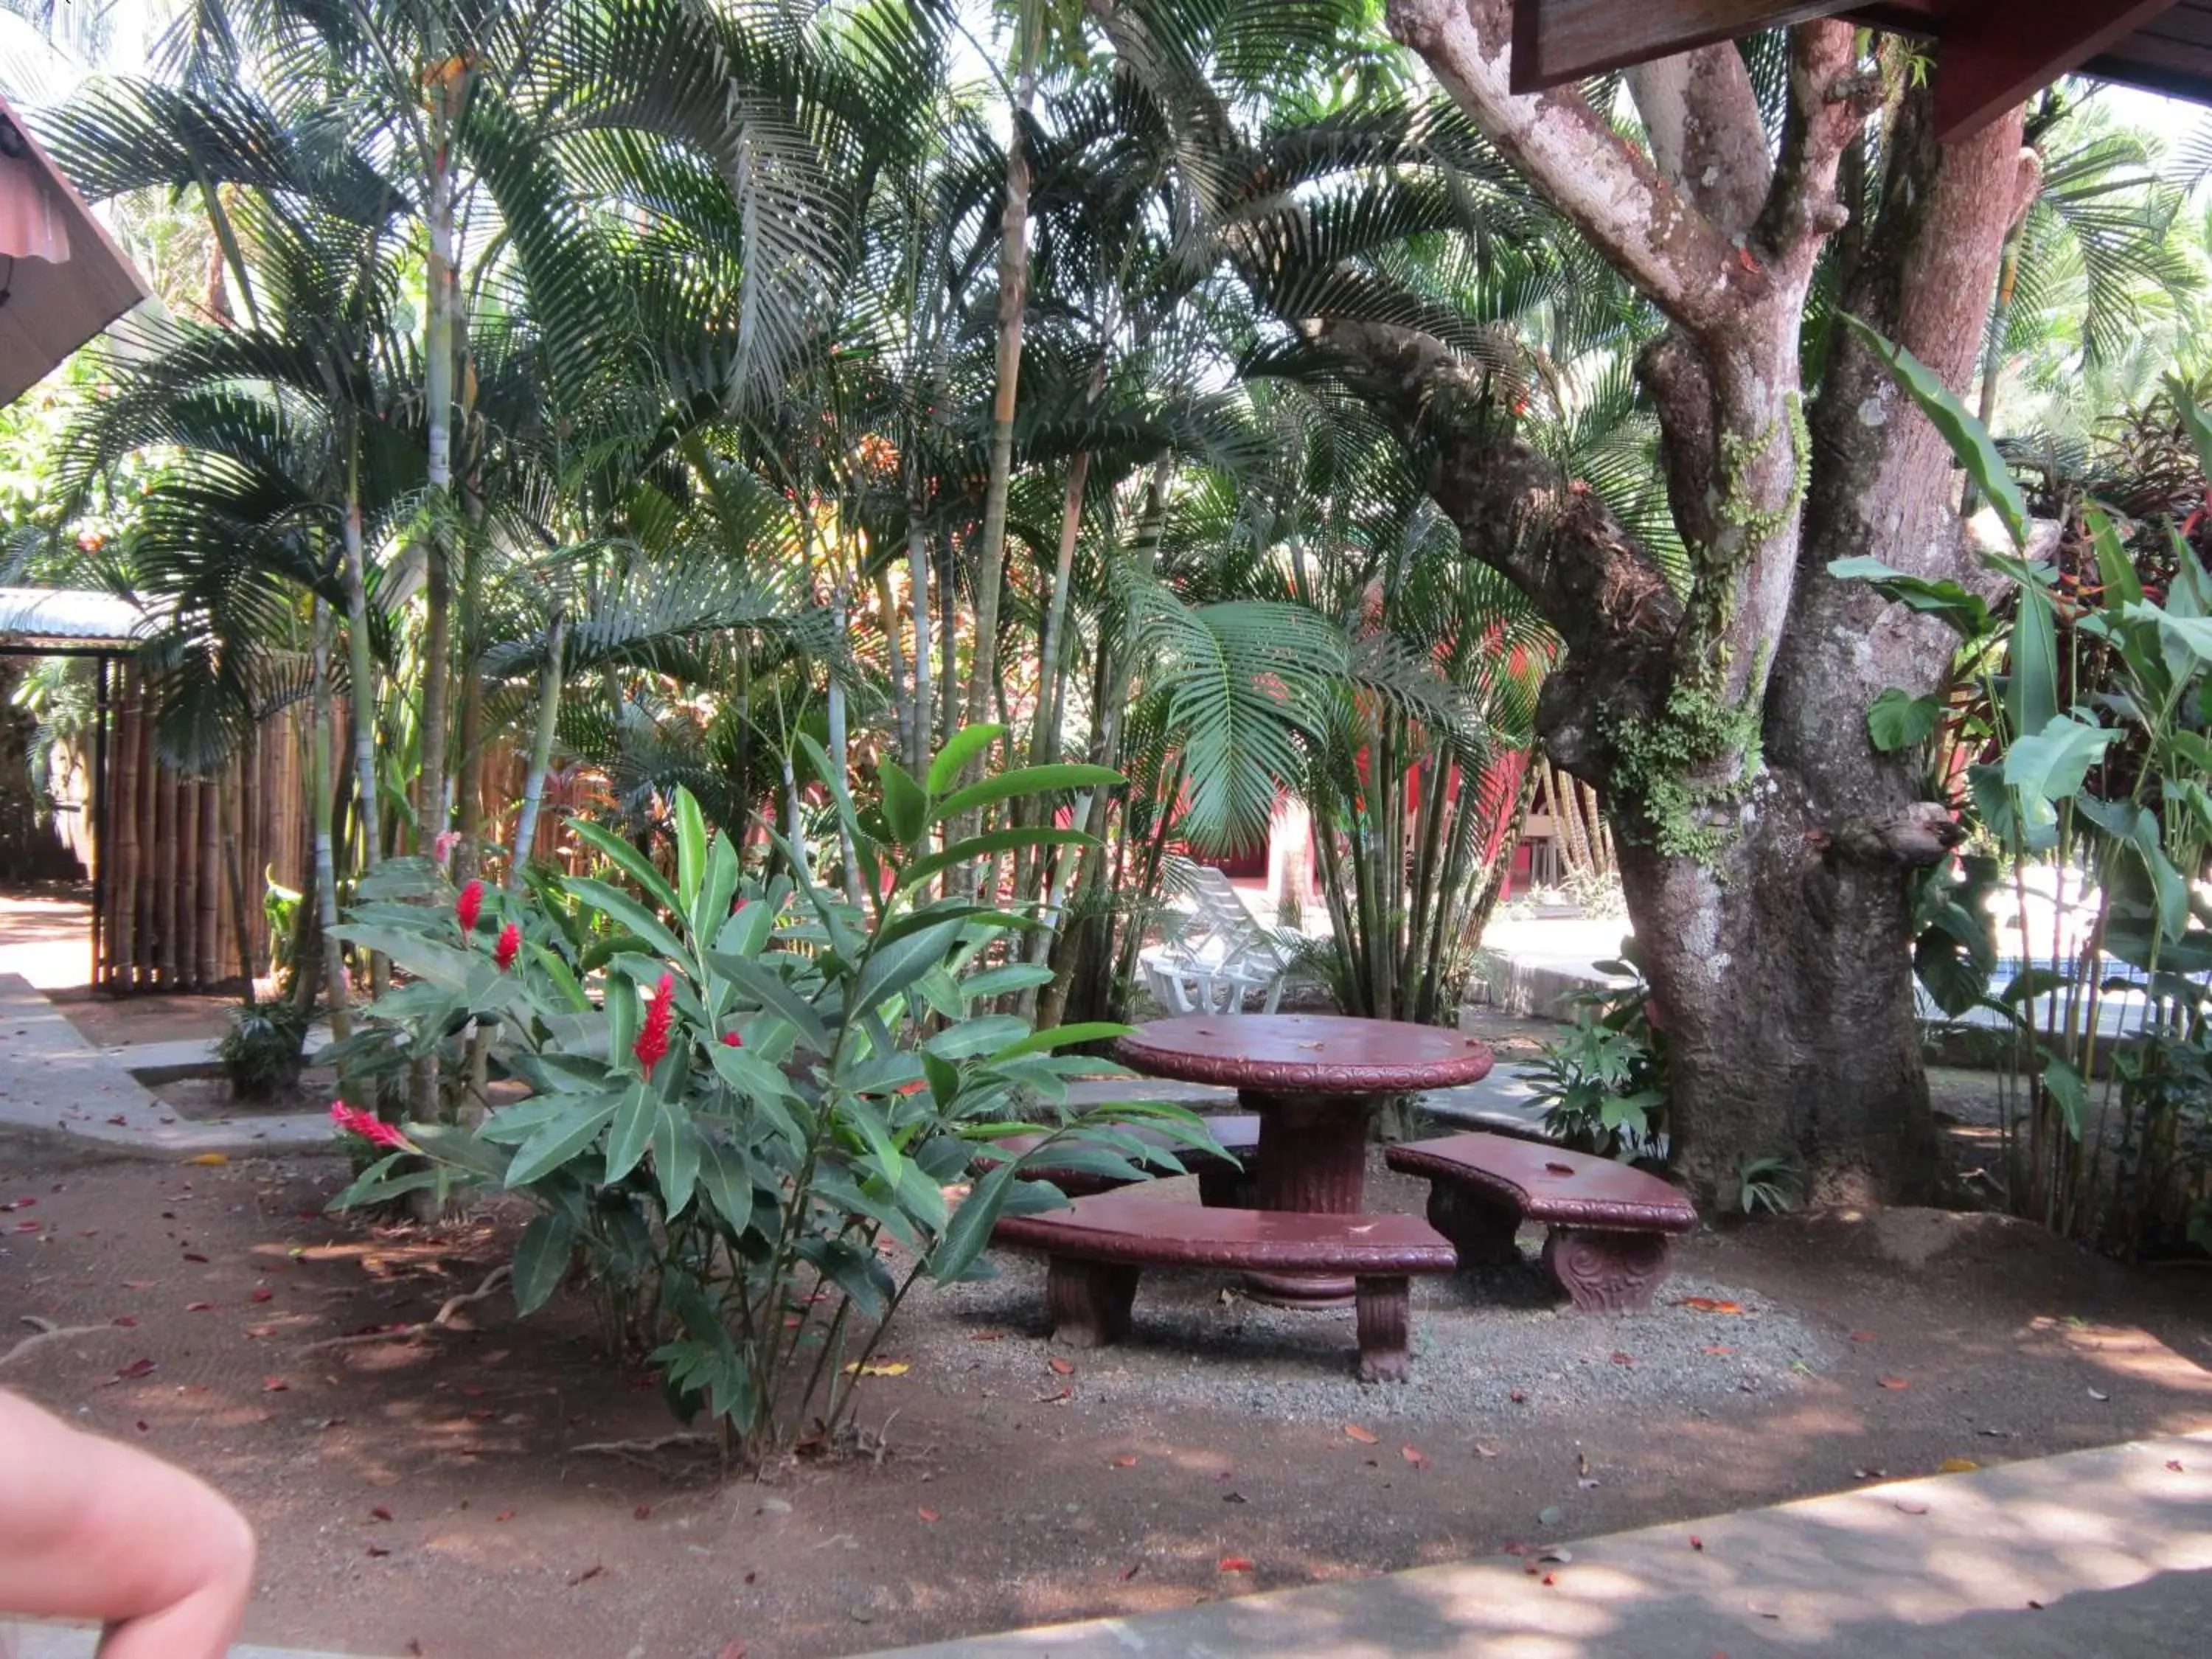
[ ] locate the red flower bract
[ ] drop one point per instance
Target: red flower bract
(651, 1045)
(369, 1126)
(731, 1040)
(509, 947)
(469, 906)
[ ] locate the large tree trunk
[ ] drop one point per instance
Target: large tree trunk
(1768, 852)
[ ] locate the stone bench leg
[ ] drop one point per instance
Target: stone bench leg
(1221, 1188)
(1604, 1272)
(1480, 1228)
(1386, 1318)
(1090, 1301)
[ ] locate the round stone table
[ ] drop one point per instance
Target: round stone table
(1314, 1080)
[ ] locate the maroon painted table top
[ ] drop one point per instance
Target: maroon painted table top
(1122, 1226)
(1305, 1053)
(1548, 1183)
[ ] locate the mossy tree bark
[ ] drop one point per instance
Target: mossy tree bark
(1767, 850)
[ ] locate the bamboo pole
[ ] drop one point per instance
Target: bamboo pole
(188, 883)
(207, 842)
(123, 890)
(166, 840)
(149, 850)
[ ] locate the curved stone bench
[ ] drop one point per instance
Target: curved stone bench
(1096, 1248)
(1611, 1226)
(1222, 1183)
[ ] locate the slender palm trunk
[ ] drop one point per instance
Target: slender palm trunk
(837, 759)
(326, 868)
(362, 671)
(1013, 284)
(541, 750)
(895, 660)
(917, 575)
(439, 328)
(443, 285)
(471, 820)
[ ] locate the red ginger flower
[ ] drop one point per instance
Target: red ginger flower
(469, 906)
(731, 1040)
(651, 1045)
(369, 1126)
(509, 947)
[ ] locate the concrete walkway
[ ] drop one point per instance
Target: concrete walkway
(2105, 1553)
(51, 1078)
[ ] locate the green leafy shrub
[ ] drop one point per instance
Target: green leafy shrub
(1603, 1085)
(750, 1096)
(261, 1053)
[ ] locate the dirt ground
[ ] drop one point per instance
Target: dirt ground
(428, 1496)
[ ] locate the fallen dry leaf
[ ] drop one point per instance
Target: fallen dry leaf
(378, 1549)
(208, 1160)
(261, 1293)
(926, 1513)
(1060, 1397)
(2174, 1463)
(199, 1307)
(1364, 1437)
(194, 1255)
(1957, 1466)
(137, 1283)
(504, 1515)
(878, 1367)
(1125, 1461)
(1234, 1563)
(1551, 1579)
(1696, 1542)
(1482, 1450)
(1621, 1358)
(380, 1513)
(1892, 1382)
(1708, 1304)
(252, 1331)
(731, 1650)
(274, 1385)
(1517, 1397)
(128, 1321)
(1412, 1456)
(591, 1571)
(1718, 1350)
(987, 1336)
(1132, 1571)
(1861, 1336)
(1911, 1506)
(1064, 1367)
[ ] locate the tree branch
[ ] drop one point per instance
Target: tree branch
(1707, 139)
(440, 1321)
(1829, 102)
(1609, 189)
(46, 1332)
(1549, 535)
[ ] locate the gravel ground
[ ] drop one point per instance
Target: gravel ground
(1489, 1347)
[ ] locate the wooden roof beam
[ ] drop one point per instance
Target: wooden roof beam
(1998, 52)
(1557, 41)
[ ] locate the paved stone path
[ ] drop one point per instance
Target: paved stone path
(51, 1078)
(2104, 1552)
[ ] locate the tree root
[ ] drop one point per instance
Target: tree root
(640, 1451)
(48, 1331)
(440, 1321)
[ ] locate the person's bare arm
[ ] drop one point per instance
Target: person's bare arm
(91, 1529)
